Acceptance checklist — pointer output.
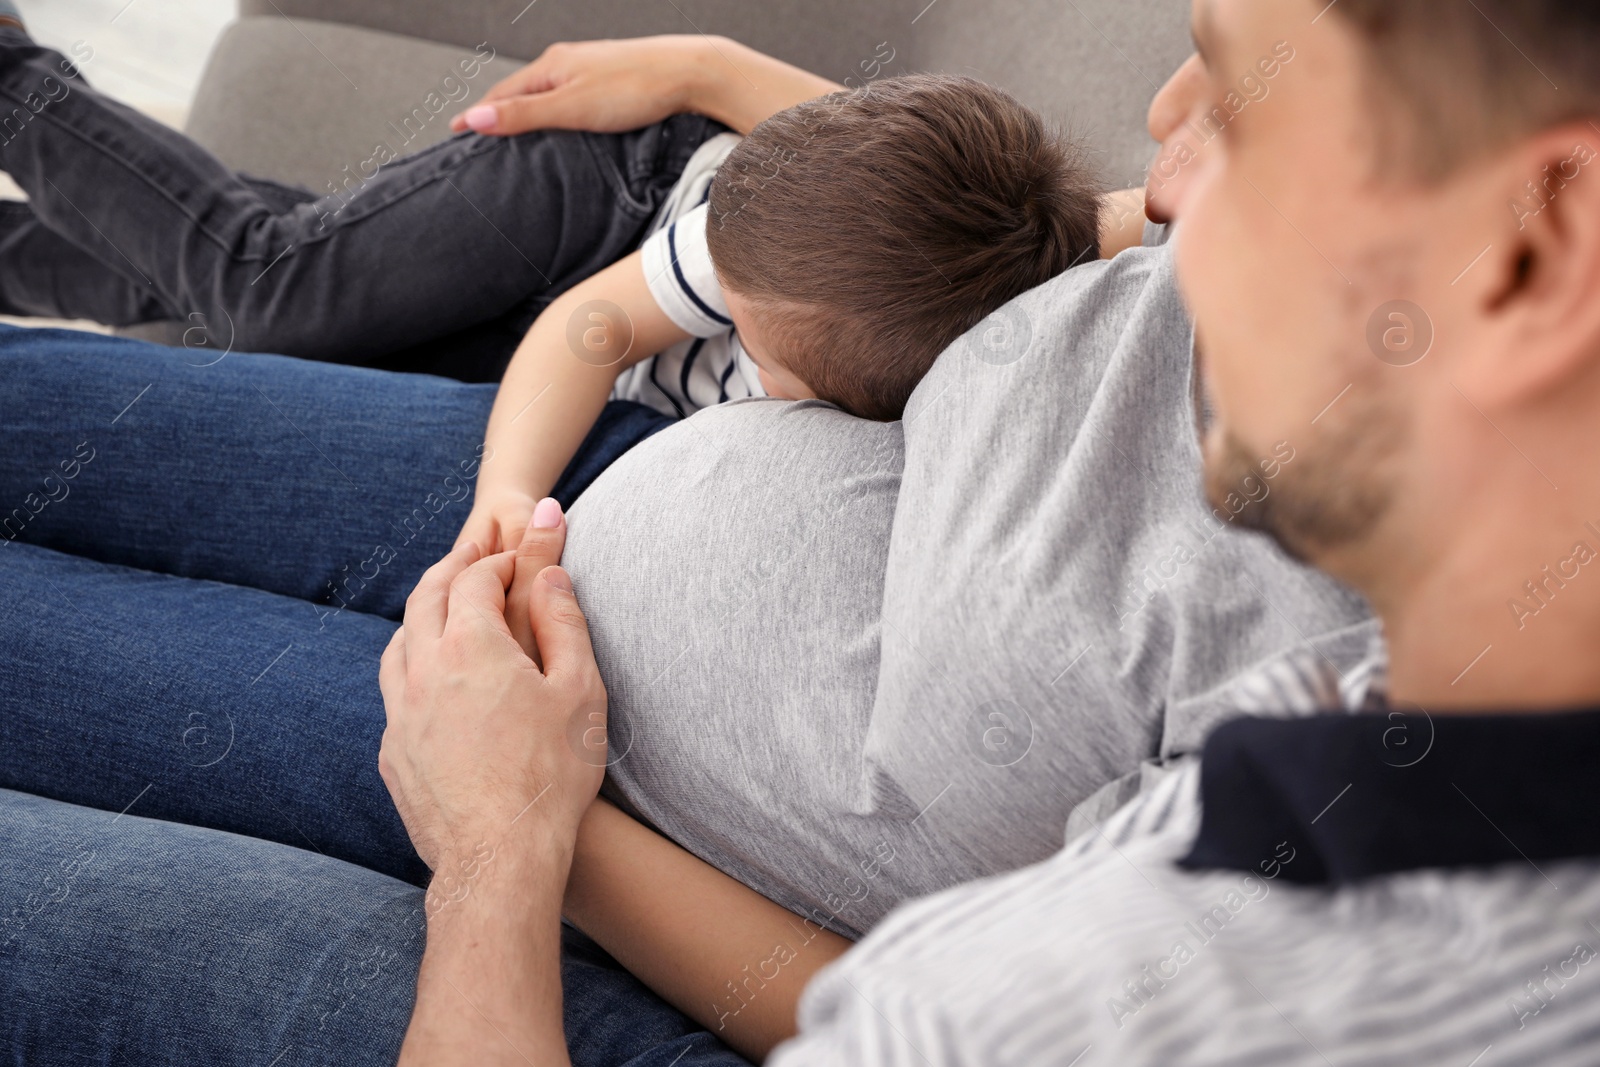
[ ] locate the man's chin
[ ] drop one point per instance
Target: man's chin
(1333, 498)
(1233, 473)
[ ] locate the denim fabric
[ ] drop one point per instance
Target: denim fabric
(195, 598)
(129, 221)
(202, 566)
(126, 940)
(337, 486)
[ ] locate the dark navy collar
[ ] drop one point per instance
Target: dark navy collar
(1355, 796)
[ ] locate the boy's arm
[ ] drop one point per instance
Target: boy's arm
(554, 389)
(1121, 222)
(693, 934)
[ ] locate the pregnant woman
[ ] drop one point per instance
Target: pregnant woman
(205, 564)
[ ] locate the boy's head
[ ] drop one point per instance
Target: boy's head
(859, 234)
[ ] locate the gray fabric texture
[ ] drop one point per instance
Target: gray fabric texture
(1092, 66)
(299, 102)
(848, 674)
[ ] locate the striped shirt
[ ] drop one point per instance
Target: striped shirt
(712, 367)
(1373, 888)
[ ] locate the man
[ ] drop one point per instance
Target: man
(1391, 262)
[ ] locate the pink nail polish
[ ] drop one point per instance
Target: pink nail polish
(482, 118)
(547, 514)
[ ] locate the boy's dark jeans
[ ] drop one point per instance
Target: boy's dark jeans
(439, 262)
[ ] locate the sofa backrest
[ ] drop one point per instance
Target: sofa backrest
(1090, 64)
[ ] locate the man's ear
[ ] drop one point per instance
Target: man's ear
(1538, 287)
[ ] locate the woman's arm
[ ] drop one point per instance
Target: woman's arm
(719, 952)
(741, 88)
(609, 86)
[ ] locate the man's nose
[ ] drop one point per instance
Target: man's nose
(1176, 161)
(1176, 99)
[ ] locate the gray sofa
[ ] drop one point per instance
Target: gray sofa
(298, 89)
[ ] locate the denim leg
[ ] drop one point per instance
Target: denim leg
(128, 940)
(334, 485)
(215, 705)
(61, 280)
(433, 243)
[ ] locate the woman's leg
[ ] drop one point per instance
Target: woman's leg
(334, 485)
(128, 940)
(196, 702)
(452, 236)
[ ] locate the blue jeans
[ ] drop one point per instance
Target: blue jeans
(437, 262)
(199, 568)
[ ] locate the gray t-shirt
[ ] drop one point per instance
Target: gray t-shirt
(851, 662)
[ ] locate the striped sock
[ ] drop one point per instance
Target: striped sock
(9, 15)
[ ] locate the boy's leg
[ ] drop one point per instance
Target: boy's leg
(57, 279)
(61, 280)
(455, 235)
(129, 940)
(334, 485)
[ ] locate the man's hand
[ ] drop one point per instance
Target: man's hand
(492, 762)
(482, 744)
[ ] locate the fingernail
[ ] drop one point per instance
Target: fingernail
(558, 578)
(547, 514)
(482, 118)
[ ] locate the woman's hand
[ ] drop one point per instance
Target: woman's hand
(605, 86)
(611, 86)
(483, 746)
(538, 533)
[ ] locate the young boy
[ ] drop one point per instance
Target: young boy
(833, 253)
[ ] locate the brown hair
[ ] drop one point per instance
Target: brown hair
(872, 228)
(1473, 76)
